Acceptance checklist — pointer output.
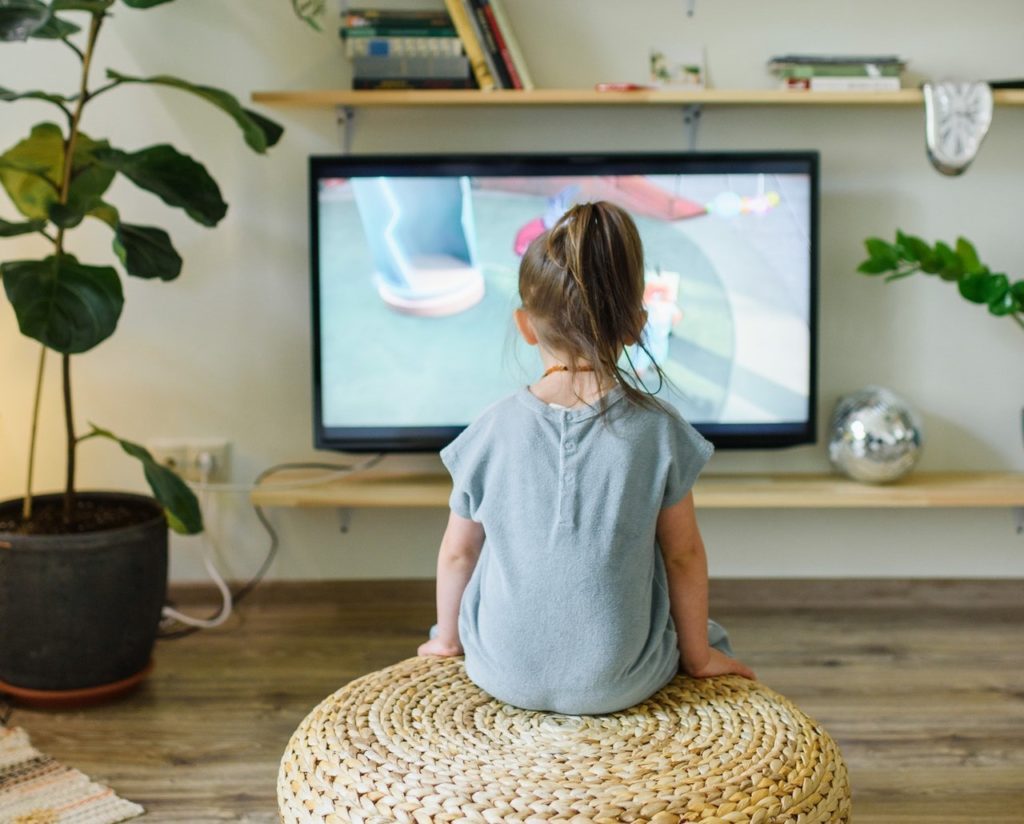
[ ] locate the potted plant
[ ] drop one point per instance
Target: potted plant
(83, 574)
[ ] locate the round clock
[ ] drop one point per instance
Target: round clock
(957, 117)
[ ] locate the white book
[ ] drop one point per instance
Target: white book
(403, 46)
(855, 84)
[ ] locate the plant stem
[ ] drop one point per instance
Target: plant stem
(69, 420)
(26, 504)
(1019, 319)
(113, 84)
(73, 48)
(65, 189)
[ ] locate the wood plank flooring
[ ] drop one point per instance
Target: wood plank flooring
(921, 683)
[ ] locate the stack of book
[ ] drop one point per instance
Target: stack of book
(404, 49)
(838, 73)
(492, 48)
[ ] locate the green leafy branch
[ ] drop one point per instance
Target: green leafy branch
(960, 264)
(310, 11)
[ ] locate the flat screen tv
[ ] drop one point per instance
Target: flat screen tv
(414, 279)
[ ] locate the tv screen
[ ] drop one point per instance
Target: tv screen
(415, 265)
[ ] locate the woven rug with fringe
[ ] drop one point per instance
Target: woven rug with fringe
(419, 742)
(36, 789)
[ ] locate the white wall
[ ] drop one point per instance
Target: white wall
(225, 350)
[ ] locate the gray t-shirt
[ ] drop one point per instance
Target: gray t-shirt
(568, 608)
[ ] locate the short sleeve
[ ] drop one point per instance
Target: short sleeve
(690, 452)
(464, 462)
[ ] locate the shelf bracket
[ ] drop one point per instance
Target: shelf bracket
(344, 520)
(1018, 519)
(691, 122)
(346, 127)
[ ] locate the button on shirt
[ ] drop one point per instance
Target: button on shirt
(568, 609)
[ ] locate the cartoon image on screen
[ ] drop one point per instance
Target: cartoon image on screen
(418, 280)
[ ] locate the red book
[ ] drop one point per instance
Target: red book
(506, 56)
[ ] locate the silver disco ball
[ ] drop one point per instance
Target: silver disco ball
(874, 436)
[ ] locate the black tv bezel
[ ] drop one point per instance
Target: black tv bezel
(433, 438)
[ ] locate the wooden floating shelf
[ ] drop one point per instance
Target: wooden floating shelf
(589, 97)
(919, 490)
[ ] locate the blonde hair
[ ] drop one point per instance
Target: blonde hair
(582, 284)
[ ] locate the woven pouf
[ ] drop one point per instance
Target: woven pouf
(418, 742)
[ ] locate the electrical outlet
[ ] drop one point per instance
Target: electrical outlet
(193, 458)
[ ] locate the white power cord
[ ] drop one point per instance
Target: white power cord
(326, 477)
(205, 469)
(204, 487)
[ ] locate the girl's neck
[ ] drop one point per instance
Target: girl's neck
(564, 388)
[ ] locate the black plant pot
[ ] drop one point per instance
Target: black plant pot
(81, 611)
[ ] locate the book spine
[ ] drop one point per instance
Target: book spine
(498, 7)
(852, 70)
(454, 68)
(396, 31)
(506, 55)
(500, 81)
(490, 43)
(403, 47)
(379, 17)
(854, 84)
(383, 83)
(474, 51)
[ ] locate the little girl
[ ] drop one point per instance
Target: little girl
(572, 573)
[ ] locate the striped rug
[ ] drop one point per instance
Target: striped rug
(35, 789)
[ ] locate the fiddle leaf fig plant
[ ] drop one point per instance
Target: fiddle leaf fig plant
(956, 264)
(57, 178)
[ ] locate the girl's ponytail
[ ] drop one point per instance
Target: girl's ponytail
(583, 283)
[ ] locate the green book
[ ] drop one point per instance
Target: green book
(808, 70)
(397, 31)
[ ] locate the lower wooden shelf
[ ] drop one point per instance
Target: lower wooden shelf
(919, 490)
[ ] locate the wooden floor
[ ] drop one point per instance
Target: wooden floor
(922, 685)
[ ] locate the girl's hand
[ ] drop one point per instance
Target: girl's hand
(437, 647)
(721, 664)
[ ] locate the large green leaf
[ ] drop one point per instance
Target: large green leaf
(271, 131)
(65, 216)
(144, 4)
(62, 303)
(20, 19)
(55, 29)
(31, 172)
(8, 229)
(179, 502)
(9, 96)
(176, 178)
(260, 132)
(105, 212)
(146, 252)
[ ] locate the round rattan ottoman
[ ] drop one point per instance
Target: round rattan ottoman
(418, 742)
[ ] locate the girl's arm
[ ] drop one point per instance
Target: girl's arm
(456, 560)
(686, 566)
